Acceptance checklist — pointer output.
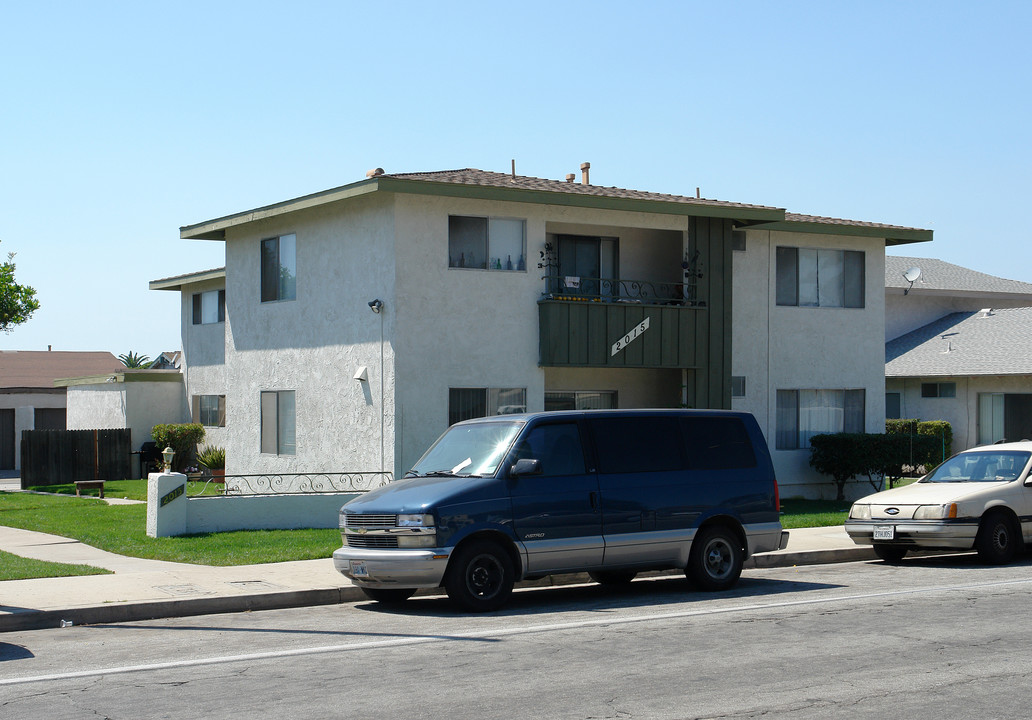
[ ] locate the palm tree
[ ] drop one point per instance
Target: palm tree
(132, 360)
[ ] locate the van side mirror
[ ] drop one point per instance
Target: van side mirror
(525, 466)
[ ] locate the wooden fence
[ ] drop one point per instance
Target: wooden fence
(55, 457)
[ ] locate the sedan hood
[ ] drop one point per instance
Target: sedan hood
(929, 493)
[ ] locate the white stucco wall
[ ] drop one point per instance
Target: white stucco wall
(314, 344)
(785, 348)
(204, 357)
(97, 407)
(904, 313)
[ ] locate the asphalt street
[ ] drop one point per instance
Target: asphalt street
(938, 636)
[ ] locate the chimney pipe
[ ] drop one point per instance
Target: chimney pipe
(570, 177)
(375, 172)
(584, 167)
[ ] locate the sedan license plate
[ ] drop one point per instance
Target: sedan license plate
(358, 569)
(884, 532)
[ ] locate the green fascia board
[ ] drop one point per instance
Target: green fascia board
(126, 376)
(892, 235)
(176, 283)
(216, 229)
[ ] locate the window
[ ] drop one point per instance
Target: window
(277, 422)
(808, 277)
(209, 410)
(279, 268)
(486, 243)
(637, 444)
(716, 443)
(468, 403)
(738, 386)
(1004, 416)
(557, 446)
(801, 414)
(209, 307)
(580, 400)
(588, 266)
(738, 240)
(893, 405)
(939, 390)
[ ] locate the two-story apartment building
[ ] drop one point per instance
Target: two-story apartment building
(350, 327)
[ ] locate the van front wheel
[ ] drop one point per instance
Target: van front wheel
(480, 576)
(715, 562)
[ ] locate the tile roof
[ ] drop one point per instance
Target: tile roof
(821, 220)
(29, 369)
(472, 176)
(964, 344)
(937, 275)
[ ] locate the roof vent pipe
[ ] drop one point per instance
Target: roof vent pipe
(584, 167)
(375, 172)
(570, 177)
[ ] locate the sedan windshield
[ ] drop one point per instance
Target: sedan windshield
(982, 466)
(473, 449)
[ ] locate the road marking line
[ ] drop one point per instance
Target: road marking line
(501, 632)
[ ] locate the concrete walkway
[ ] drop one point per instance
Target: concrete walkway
(145, 589)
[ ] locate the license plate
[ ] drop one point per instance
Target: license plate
(358, 569)
(884, 532)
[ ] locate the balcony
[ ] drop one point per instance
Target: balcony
(615, 322)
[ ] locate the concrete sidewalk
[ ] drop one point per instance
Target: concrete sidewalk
(146, 589)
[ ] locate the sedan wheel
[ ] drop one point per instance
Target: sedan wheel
(997, 540)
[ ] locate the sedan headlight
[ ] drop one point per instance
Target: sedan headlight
(936, 512)
(860, 512)
(415, 521)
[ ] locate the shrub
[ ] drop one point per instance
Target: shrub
(212, 457)
(181, 437)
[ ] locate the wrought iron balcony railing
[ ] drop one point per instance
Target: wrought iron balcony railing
(620, 290)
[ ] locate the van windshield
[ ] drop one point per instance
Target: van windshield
(464, 450)
(981, 466)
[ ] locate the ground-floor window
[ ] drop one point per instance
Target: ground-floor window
(801, 414)
(893, 405)
(468, 403)
(278, 415)
(210, 410)
(580, 399)
(1004, 416)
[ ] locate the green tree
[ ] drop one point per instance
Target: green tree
(17, 302)
(132, 360)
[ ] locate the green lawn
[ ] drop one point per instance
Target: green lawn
(122, 529)
(129, 489)
(15, 567)
(813, 513)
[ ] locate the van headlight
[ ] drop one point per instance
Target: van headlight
(415, 521)
(936, 512)
(860, 512)
(423, 540)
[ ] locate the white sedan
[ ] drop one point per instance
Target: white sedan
(979, 499)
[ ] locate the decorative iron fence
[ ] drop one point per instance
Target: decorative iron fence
(619, 290)
(290, 483)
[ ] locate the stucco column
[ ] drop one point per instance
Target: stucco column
(166, 504)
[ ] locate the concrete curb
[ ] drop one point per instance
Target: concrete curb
(153, 610)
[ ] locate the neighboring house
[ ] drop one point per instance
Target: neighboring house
(958, 350)
(29, 398)
(349, 328)
(942, 288)
(169, 360)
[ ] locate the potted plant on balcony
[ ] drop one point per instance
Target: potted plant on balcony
(213, 458)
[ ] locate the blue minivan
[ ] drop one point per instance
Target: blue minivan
(608, 492)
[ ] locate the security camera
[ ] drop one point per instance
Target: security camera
(375, 305)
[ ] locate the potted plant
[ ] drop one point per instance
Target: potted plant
(213, 458)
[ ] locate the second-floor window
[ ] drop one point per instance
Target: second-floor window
(487, 243)
(209, 307)
(279, 268)
(818, 277)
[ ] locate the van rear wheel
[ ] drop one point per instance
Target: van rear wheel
(480, 576)
(715, 562)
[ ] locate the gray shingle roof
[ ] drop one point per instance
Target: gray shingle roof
(937, 276)
(821, 220)
(964, 344)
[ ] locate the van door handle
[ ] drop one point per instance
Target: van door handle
(593, 499)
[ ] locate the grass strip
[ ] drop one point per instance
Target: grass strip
(122, 529)
(16, 567)
(813, 513)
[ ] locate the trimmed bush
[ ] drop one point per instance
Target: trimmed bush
(181, 437)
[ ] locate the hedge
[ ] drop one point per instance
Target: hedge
(182, 438)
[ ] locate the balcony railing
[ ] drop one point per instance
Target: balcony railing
(614, 290)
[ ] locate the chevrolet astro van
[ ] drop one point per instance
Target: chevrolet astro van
(608, 492)
(979, 499)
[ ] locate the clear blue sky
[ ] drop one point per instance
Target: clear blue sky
(124, 121)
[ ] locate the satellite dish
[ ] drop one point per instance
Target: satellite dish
(911, 275)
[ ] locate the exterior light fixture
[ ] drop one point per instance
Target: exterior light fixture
(376, 306)
(166, 456)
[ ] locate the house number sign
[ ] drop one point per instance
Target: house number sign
(630, 337)
(172, 495)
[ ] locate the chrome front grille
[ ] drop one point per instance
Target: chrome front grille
(371, 541)
(352, 520)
